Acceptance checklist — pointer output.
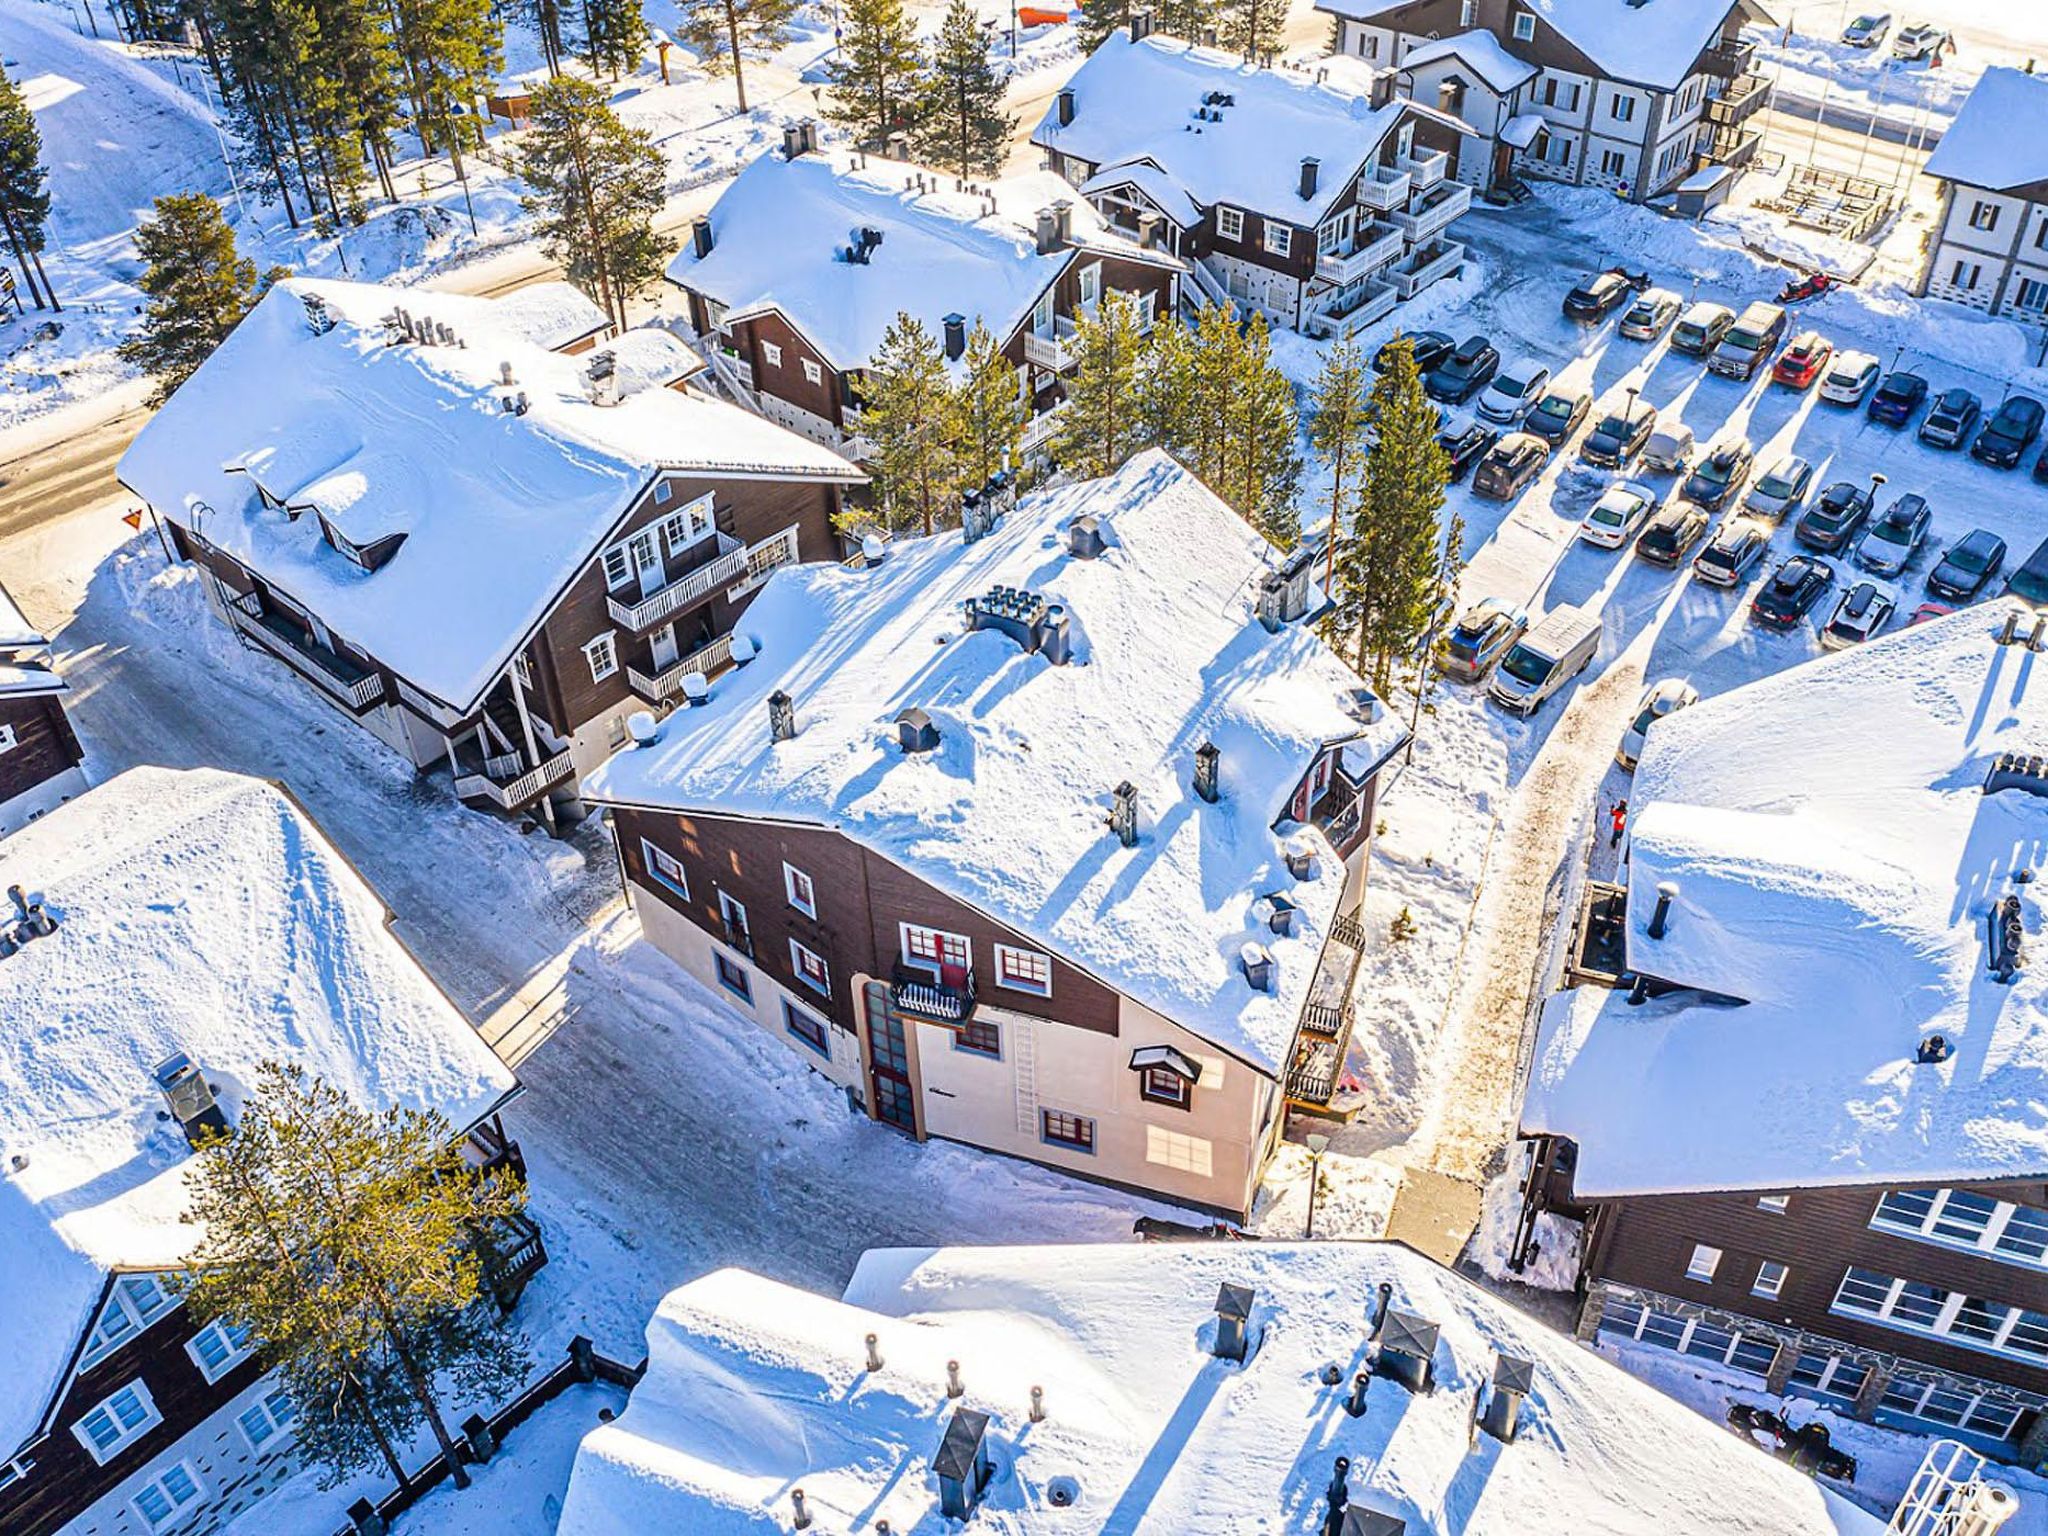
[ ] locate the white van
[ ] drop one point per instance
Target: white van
(1557, 650)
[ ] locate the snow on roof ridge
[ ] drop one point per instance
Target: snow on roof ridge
(1999, 137)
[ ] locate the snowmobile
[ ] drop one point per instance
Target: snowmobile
(1798, 289)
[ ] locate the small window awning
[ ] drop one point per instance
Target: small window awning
(1174, 1060)
(1520, 131)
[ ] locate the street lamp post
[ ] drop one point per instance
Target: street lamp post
(1318, 1144)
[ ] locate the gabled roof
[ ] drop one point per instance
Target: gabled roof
(1008, 812)
(1999, 139)
(16, 633)
(1500, 70)
(500, 509)
(754, 1388)
(1835, 858)
(778, 232)
(199, 912)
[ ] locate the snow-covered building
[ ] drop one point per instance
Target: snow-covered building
(1068, 1390)
(1049, 840)
(1990, 244)
(1607, 93)
(1307, 201)
(173, 932)
(485, 550)
(1803, 1119)
(808, 258)
(40, 758)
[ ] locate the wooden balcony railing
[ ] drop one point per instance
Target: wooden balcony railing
(513, 794)
(664, 685)
(679, 594)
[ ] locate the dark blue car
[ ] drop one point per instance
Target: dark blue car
(1897, 399)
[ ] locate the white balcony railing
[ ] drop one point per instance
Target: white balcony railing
(1039, 429)
(765, 559)
(664, 685)
(1427, 167)
(685, 590)
(1432, 213)
(1364, 253)
(512, 795)
(1410, 283)
(357, 693)
(1374, 299)
(1383, 189)
(1052, 349)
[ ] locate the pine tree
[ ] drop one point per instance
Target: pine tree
(24, 202)
(1166, 389)
(1189, 19)
(877, 79)
(1337, 433)
(913, 416)
(347, 1246)
(1101, 423)
(991, 411)
(450, 52)
(1261, 466)
(199, 288)
(613, 37)
(597, 185)
(1251, 27)
(1099, 19)
(720, 32)
(963, 127)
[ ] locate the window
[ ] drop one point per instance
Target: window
(797, 886)
(934, 949)
(1956, 1218)
(685, 526)
(1056, 1128)
(603, 656)
(1753, 1353)
(1624, 109)
(1525, 27)
(810, 968)
(123, 1418)
(1703, 1263)
(1612, 162)
(1965, 274)
(664, 492)
(1952, 1401)
(618, 567)
(664, 869)
(1468, 12)
(771, 354)
(1770, 1279)
(175, 1491)
(7, 739)
(2033, 293)
(1279, 238)
(804, 1025)
(1229, 224)
(1829, 1376)
(980, 1037)
(1023, 970)
(1163, 1085)
(733, 977)
(218, 1348)
(271, 1415)
(1172, 1149)
(133, 1304)
(1091, 285)
(1984, 216)
(813, 374)
(1775, 1204)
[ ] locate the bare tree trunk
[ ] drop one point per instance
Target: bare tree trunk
(739, 68)
(20, 254)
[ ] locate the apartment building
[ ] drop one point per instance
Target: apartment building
(1989, 248)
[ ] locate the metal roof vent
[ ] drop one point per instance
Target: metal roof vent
(1283, 593)
(962, 1463)
(1361, 1521)
(1513, 1380)
(874, 549)
(781, 716)
(916, 731)
(1407, 1351)
(1300, 854)
(1933, 1050)
(1084, 537)
(1257, 963)
(2017, 770)
(1208, 764)
(2004, 931)
(1233, 1312)
(1038, 626)
(32, 919)
(190, 1097)
(1277, 912)
(643, 728)
(319, 318)
(1123, 813)
(1660, 919)
(696, 689)
(601, 380)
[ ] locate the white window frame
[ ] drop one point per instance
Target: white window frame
(771, 354)
(1770, 1279)
(664, 869)
(237, 1350)
(801, 890)
(2031, 295)
(618, 567)
(1091, 285)
(8, 741)
(1622, 108)
(181, 1509)
(283, 1422)
(1006, 954)
(687, 524)
(801, 957)
(1986, 1242)
(1229, 223)
(1525, 26)
(1468, 12)
(1179, 1151)
(813, 374)
(121, 1303)
(602, 653)
(1279, 238)
(1984, 217)
(128, 1434)
(1956, 280)
(938, 945)
(1777, 1205)
(1704, 1261)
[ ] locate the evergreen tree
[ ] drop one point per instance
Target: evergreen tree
(546, 16)
(24, 203)
(1101, 423)
(451, 53)
(1189, 19)
(613, 37)
(1337, 433)
(1202, 424)
(1098, 20)
(719, 32)
(963, 127)
(347, 1246)
(914, 419)
(991, 411)
(1166, 389)
(597, 185)
(1261, 466)
(877, 79)
(199, 288)
(1251, 27)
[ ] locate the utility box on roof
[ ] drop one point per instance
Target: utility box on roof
(962, 1463)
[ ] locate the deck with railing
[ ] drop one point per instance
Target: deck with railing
(1432, 211)
(1052, 348)
(513, 790)
(918, 992)
(665, 684)
(1385, 187)
(1368, 249)
(1411, 277)
(1323, 1035)
(692, 587)
(349, 683)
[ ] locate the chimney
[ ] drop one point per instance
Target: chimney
(522, 405)
(1141, 25)
(1513, 1380)
(1233, 1312)
(977, 516)
(1934, 1049)
(1278, 912)
(1063, 218)
(700, 236)
(2004, 931)
(915, 731)
(1667, 893)
(1338, 1493)
(189, 1096)
(1283, 591)
(800, 1515)
(781, 716)
(1354, 1401)
(1407, 1351)
(2016, 770)
(792, 140)
(1310, 166)
(962, 1463)
(34, 922)
(696, 689)
(1300, 854)
(1123, 813)
(1038, 1405)
(1257, 962)
(1208, 760)
(1084, 537)
(505, 375)
(643, 728)
(1382, 1297)
(1048, 232)
(954, 1386)
(1381, 93)
(956, 337)
(601, 379)
(874, 1344)
(1053, 635)
(1066, 105)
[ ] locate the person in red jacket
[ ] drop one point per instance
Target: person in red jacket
(1619, 819)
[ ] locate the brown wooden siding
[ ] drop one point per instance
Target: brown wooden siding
(45, 744)
(786, 380)
(1439, 18)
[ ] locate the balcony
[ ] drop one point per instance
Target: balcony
(504, 784)
(1373, 299)
(511, 1255)
(737, 936)
(1365, 252)
(1432, 211)
(1743, 99)
(1729, 58)
(1052, 349)
(667, 683)
(352, 685)
(919, 993)
(1427, 168)
(764, 560)
(728, 563)
(1416, 271)
(1383, 188)
(1039, 430)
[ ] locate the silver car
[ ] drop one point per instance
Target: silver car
(1782, 489)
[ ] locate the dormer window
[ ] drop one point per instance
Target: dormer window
(1525, 27)
(368, 557)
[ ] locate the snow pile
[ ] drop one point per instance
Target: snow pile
(754, 1388)
(1834, 858)
(198, 912)
(1008, 812)
(1999, 139)
(501, 508)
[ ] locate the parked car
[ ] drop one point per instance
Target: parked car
(1558, 649)
(1834, 519)
(1737, 545)
(1465, 372)
(1619, 514)
(1888, 548)
(1620, 435)
(1509, 465)
(1602, 294)
(1928, 612)
(1669, 449)
(1464, 441)
(1795, 586)
(1648, 317)
(1968, 566)
(1850, 377)
(2009, 433)
(1803, 359)
(1431, 348)
(1859, 614)
(1558, 415)
(2029, 582)
(1659, 700)
(1919, 41)
(1669, 536)
(1867, 31)
(1782, 488)
(1952, 419)
(2041, 468)
(1898, 399)
(1720, 474)
(1480, 638)
(1750, 342)
(1516, 387)
(1701, 328)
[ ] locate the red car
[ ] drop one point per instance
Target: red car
(1801, 363)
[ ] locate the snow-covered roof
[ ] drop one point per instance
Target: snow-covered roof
(501, 509)
(779, 229)
(1835, 858)
(1500, 70)
(16, 633)
(18, 681)
(754, 1388)
(1137, 101)
(1166, 194)
(550, 315)
(649, 357)
(1008, 812)
(1999, 139)
(199, 912)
